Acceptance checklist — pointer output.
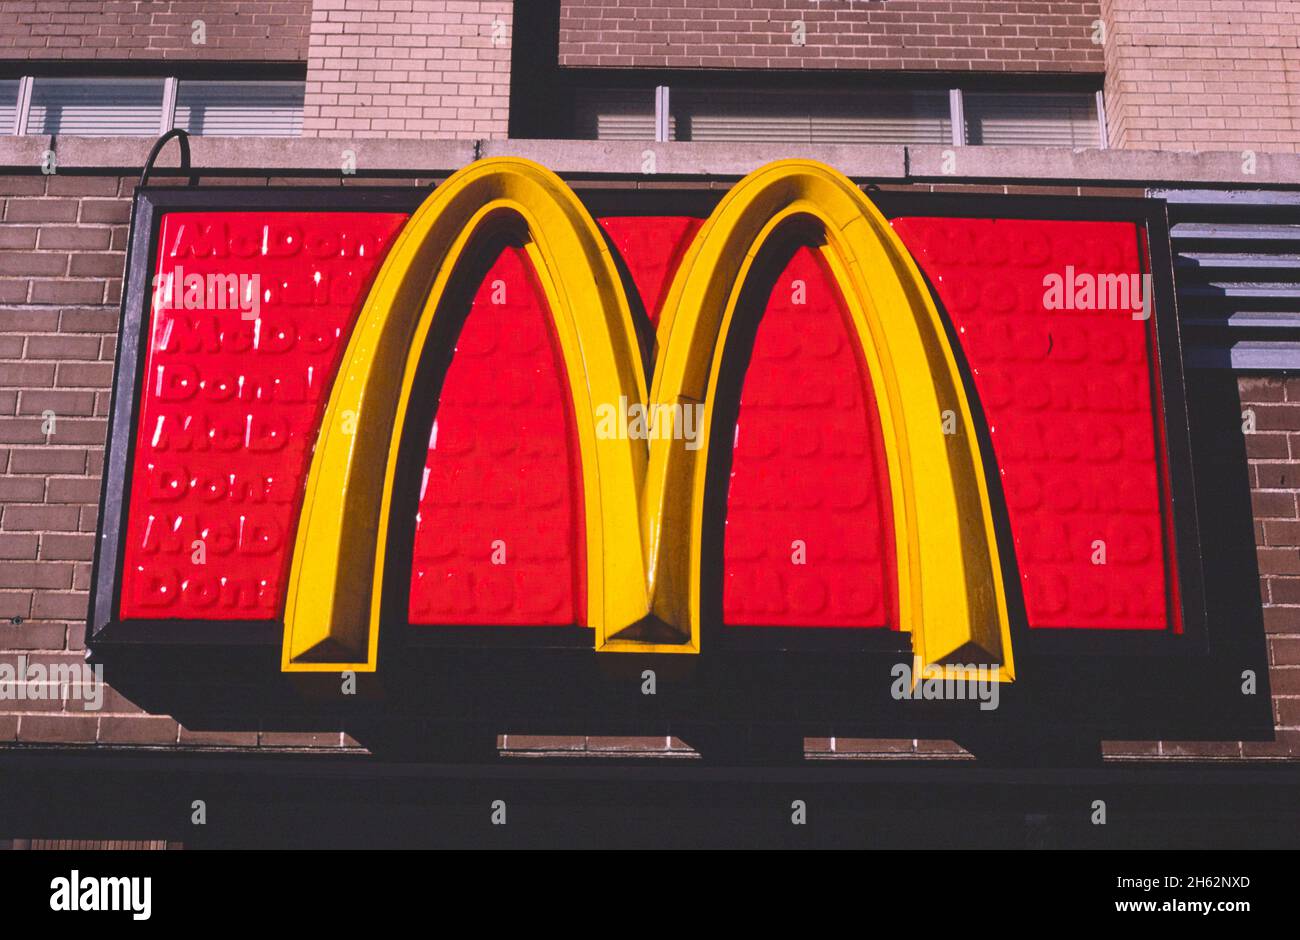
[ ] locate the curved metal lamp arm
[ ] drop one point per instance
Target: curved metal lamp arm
(183, 138)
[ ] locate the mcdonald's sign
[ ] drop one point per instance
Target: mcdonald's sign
(792, 415)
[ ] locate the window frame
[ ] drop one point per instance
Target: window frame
(26, 76)
(660, 85)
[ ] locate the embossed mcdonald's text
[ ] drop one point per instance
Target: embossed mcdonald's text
(230, 404)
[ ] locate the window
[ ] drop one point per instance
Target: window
(1031, 120)
(146, 107)
(830, 116)
(813, 118)
(240, 109)
(615, 114)
(96, 107)
(8, 106)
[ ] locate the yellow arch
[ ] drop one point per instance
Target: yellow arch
(950, 589)
(332, 607)
(645, 509)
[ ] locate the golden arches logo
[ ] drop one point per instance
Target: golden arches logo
(644, 501)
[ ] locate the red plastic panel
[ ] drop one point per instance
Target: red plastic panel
(499, 537)
(652, 248)
(1068, 398)
(807, 468)
(234, 387)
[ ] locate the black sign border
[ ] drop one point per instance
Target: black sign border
(767, 650)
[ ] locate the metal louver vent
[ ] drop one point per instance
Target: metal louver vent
(1237, 272)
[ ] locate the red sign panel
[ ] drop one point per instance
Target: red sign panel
(250, 315)
(1067, 394)
(232, 397)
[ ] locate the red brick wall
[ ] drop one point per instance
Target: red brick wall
(62, 243)
(274, 30)
(395, 68)
(1273, 450)
(1213, 75)
(958, 35)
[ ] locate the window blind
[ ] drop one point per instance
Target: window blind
(1031, 120)
(614, 114)
(240, 109)
(96, 107)
(814, 117)
(8, 105)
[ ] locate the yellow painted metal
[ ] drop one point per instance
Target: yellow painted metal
(950, 589)
(332, 610)
(645, 504)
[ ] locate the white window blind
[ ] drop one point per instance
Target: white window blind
(1031, 120)
(922, 117)
(813, 117)
(615, 114)
(8, 105)
(240, 109)
(96, 107)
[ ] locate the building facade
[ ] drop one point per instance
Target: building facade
(656, 109)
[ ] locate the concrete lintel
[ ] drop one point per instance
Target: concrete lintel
(243, 156)
(727, 160)
(1106, 167)
(23, 154)
(643, 160)
(330, 155)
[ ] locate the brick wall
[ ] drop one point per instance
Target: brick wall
(1211, 75)
(958, 35)
(62, 243)
(274, 30)
(1273, 450)
(409, 68)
